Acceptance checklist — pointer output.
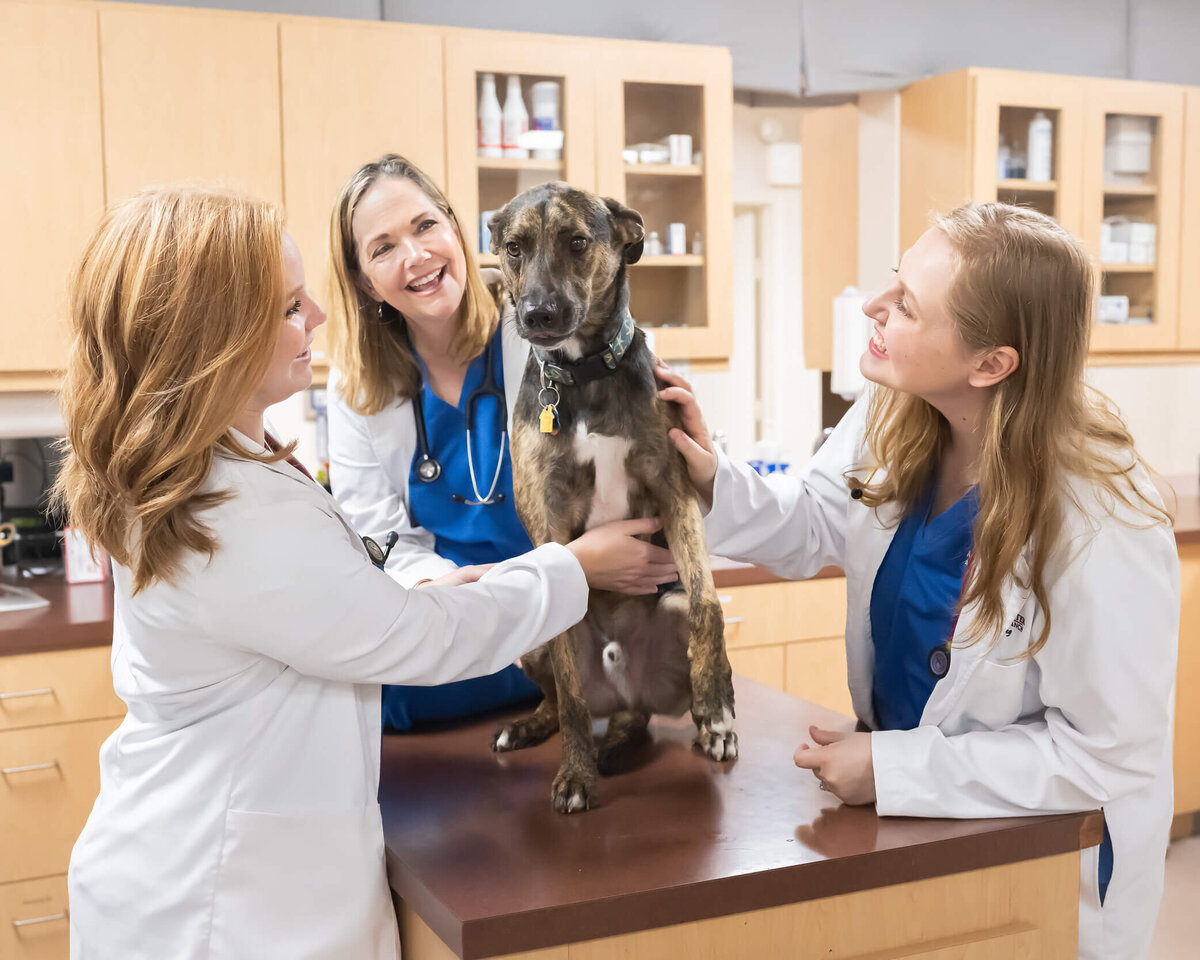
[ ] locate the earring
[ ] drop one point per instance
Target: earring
(379, 310)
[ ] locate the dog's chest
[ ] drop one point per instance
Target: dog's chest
(608, 455)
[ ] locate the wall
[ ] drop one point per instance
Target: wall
(1160, 407)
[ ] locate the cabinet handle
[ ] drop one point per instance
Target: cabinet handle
(48, 919)
(29, 768)
(44, 692)
(734, 619)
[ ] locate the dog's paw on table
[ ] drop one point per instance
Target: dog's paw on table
(715, 737)
(572, 793)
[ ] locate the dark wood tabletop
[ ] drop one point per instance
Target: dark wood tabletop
(474, 847)
(79, 615)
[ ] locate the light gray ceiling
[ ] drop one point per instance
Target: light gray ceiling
(818, 47)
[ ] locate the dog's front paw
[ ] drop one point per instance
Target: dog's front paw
(572, 793)
(716, 738)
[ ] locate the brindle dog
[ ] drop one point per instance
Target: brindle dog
(563, 255)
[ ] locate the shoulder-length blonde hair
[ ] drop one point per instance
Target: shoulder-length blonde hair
(369, 340)
(175, 308)
(1022, 281)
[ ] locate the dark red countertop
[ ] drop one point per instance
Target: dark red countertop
(475, 849)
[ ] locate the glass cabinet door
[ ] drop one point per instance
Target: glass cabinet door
(1028, 143)
(553, 79)
(1132, 177)
(1189, 241)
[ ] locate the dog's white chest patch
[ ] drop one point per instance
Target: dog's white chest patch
(610, 501)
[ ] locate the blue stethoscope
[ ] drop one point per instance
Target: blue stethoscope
(428, 469)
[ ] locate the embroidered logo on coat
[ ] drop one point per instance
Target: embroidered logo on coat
(1018, 624)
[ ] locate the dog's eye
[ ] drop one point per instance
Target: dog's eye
(513, 249)
(578, 244)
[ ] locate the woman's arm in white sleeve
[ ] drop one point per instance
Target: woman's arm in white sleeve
(1107, 674)
(288, 582)
(370, 500)
(792, 525)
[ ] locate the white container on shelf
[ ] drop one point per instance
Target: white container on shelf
(654, 247)
(676, 238)
(1112, 309)
(679, 149)
(1041, 140)
(544, 100)
(485, 234)
(515, 120)
(491, 119)
(1127, 146)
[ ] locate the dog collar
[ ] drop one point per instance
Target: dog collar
(595, 366)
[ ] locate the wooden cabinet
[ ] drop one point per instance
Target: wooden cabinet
(190, 95)
(34, 923)
(791, 636)
(1189, 240)
(1187, 703)
(351, 92)
(56, 709)
(954, 126)
(644, 93)
(54, 182)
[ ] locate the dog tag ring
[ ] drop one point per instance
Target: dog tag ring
(548, 418)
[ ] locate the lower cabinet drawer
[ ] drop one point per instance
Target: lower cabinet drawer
(49, 778)
(768, 613)
(33, 920)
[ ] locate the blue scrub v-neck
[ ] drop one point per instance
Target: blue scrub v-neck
(913, 605)
(464, 533)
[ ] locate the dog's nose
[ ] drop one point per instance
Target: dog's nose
(540, 314)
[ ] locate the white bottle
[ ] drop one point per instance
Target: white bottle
(490, 119)
(1002, 155)
(654, 247)
(545, 114)
(1041, 136)
(516, 119)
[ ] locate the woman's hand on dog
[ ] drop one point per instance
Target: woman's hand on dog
(613, 558)
(692, 441)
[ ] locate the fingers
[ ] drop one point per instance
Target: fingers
(637, 527)
(656, 554)
(667, 375)
(808, 759)
(686, 445)
(825, 737)
(662, 572)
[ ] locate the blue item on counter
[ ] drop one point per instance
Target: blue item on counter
(465, 533)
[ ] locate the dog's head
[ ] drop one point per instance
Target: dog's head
(561, 251)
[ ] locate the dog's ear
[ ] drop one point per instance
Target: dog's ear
(493, 280)
(628, 229)
(497, 225)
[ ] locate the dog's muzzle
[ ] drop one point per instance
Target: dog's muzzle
(544, 318)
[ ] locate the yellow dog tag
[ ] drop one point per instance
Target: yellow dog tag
(546, 421)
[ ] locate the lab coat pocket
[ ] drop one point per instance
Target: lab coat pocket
(995, 694)
(310, 885)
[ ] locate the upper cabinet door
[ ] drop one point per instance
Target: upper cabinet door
(351, 93)
(190, 95)
(1132, 181)
(1189, 242)
(1007, 166)
(54, 187)
(648, 94)
(477, 181)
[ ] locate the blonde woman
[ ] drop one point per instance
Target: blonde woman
(419, 408)
(237, 813)
(980, 476)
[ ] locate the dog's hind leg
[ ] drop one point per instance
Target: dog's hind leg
(627, 730)
(543, 722)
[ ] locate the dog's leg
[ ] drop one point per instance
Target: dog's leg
(574, 786)
(627, 730)
(543, 722)
(712, 678)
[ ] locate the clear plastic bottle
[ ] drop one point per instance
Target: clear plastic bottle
(654, 247)
(697, 244)
(515, 119)
(491, 119)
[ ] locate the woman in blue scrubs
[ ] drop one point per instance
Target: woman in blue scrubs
(424, 383)
(980, 476)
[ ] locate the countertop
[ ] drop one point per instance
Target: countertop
(80, 615)
(474, 847)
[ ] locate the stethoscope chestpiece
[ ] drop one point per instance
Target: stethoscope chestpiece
(939, 661)
(428, 469)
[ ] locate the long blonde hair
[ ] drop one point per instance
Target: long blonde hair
(175, 307)
(369, 341)
(1022, 281)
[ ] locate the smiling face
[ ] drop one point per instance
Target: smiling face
(409, 252)
(560, 250)
(916, 347)
(291, 361)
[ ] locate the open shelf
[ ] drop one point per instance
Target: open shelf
(1127, 267)
(672, 260)
(1131, 189)
(663, 170)
(1027, 186)
(519, 163)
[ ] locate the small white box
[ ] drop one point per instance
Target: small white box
(1112, 309)
(1127, 144)
(82, 566)
(1114, 252)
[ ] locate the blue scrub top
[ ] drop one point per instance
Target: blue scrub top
(465, 534)
(913, 605)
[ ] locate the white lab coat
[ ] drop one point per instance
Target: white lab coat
(369, 462)
(1085, 723)
(238, 813)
